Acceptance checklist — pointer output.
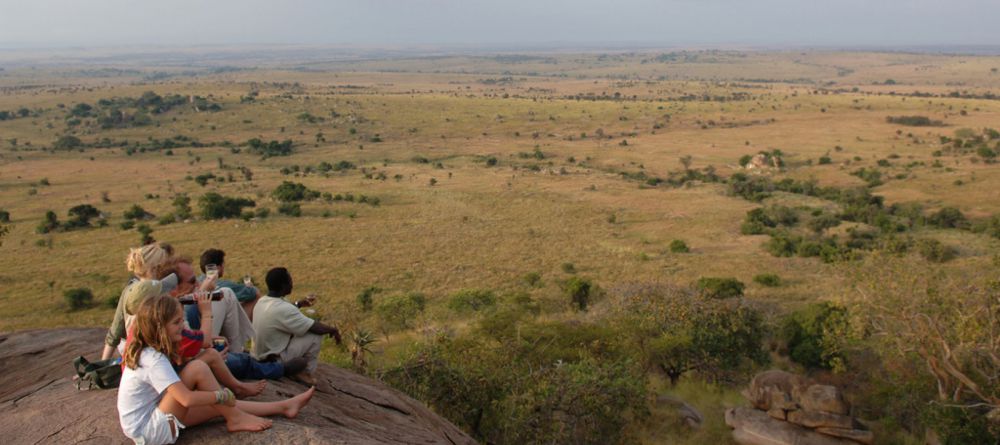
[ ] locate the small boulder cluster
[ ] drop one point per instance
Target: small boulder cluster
(790, 409)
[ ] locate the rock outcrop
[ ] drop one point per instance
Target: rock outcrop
(41, 405)
(790, 409)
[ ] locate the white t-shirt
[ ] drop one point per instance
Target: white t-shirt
(140, 390)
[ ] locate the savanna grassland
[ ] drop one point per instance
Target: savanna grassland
(512, 175)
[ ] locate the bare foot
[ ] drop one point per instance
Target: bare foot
(250, 389)
(246, 422)
(294, 404)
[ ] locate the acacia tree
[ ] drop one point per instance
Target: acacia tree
(679, 330)
(949, 321)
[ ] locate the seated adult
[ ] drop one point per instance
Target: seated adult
(283, 332)
(145, 262)
(246, 294)
(229, 321)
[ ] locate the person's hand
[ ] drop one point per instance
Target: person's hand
(204, 300)
(308, 301)
(208, 284)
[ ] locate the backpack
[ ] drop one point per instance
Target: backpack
(104, 374)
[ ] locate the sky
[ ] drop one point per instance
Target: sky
(62, 23)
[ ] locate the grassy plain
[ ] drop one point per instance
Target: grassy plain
(424, 120)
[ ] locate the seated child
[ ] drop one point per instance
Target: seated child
(155, 401)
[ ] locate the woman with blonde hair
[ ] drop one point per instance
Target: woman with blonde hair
(145, 262)
(155, 403)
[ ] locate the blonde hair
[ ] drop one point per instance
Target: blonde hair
(146, 261)
(150, 329)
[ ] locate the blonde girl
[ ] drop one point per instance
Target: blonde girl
(155, 403)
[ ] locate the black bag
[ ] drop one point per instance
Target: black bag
(104, 374)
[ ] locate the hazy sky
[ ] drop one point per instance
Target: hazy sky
(360, 22)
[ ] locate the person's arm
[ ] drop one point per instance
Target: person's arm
(205, 308)
(320, 328)
(189, 398)
(117, 330)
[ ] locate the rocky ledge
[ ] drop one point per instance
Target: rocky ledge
(41, 405)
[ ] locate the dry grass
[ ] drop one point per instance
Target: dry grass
(479, 226)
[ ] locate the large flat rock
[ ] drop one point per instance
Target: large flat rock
(41, 405)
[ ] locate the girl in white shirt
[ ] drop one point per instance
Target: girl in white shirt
(155, 403)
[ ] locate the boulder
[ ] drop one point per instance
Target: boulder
(755, 427)
(40, 403)
(775, 389)
(687, 414)
(824, 398)
(817, 419)
(860, 436)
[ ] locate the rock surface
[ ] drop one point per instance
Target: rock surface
(41, 405)
(755, 427)
(788, 409)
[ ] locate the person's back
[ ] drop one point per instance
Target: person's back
(275, 322)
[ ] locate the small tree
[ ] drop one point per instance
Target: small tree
(721, 288)
(679, 246)
(365, 298)
(579, 292)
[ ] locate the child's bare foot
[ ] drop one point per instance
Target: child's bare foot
(294, 404)
(250, 389)
(242, 421)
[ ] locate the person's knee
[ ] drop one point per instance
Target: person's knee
(194, 371)
(210, 356)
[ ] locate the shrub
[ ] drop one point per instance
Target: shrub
(145, 232)
(216, 206)
(811, 335)
(365, 298)
(721, 288)
(767, 279)
(756, 222)
(913, 121)
(49, 224)
(579, 292)
(679, 246)
(127, 225)
(290, 208)
(471, 300)
(182, 207)
(79, 298)
(824, 160)
(136, 212)
(822, 222)
(568, 268)
(169, 218)
(948, 218)
(67, 143)
(262, 212)
(533, 279)
(4, 216)
(398, 311)
(935, 251)
(293, 191)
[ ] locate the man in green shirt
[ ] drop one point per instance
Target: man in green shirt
(282, 331)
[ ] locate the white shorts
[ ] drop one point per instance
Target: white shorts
(158, 430)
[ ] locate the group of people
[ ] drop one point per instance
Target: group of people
(183, 365)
